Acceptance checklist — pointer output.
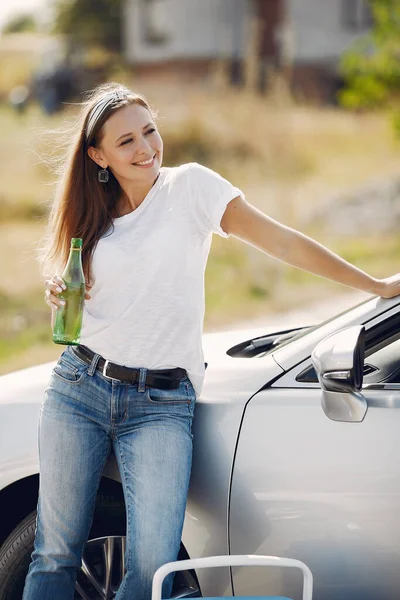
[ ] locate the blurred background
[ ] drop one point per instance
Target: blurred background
(295, 101)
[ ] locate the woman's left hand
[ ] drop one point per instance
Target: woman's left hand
(389, 287)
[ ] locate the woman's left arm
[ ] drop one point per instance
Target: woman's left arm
(244, 221)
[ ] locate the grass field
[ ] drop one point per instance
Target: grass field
(285, 157)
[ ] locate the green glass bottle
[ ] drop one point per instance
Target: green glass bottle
(68, 318)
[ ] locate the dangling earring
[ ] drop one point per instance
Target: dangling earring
(103, 176)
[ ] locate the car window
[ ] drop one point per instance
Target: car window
(382, 365)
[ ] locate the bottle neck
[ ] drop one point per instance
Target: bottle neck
(74, 270)
(75, 254)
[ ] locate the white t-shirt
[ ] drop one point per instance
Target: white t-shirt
(147, 301)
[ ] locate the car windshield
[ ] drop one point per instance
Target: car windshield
(308, 330)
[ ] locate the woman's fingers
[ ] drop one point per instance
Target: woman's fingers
(54, 287)
(56, 284)
(52, 300)
(60, 281)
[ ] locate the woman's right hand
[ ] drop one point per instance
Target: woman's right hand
(54, 287)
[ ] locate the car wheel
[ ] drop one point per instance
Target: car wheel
(102, 561)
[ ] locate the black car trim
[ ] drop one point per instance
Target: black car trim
(374, 337)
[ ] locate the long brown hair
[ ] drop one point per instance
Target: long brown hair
(83, 206)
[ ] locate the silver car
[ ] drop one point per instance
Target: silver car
(297, 454)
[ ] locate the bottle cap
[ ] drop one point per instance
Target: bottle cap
(76, 242)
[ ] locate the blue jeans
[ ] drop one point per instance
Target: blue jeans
(83, 413)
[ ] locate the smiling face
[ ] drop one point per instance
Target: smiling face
(131, 146)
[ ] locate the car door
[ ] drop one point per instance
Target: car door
(323, 491)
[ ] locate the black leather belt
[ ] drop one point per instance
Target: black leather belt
(164, 379)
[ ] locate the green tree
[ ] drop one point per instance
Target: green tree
(20, 23)
(371, 68)
(90, 22)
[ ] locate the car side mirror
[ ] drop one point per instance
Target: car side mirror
(339, 363)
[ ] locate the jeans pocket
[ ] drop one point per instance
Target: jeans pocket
(67, 371)
(177, 396)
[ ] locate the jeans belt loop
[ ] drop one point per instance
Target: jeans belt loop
(93, 364)
(142, 380)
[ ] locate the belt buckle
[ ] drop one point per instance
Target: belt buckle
(107, 362)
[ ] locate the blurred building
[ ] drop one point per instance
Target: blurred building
(304, 39)
(319, 31)
(189, 35)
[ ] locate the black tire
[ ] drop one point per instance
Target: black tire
(109, 520)
(15, 554)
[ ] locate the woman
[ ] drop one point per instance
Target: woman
(147, 232)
